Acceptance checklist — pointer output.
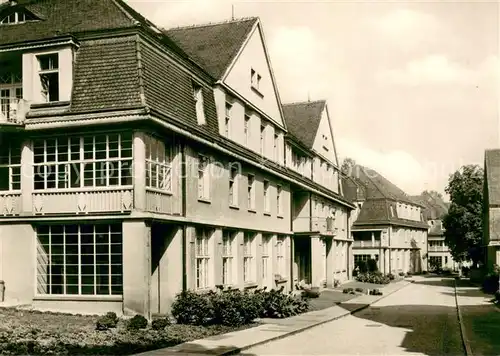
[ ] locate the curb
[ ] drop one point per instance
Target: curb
(463, 332)
(291, 333)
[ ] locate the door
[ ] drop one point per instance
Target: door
(303, 258)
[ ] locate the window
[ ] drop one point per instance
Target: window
(280, 256)
(227, 257)
(262, 139)
(233, 185)
(202, 256)
(198, 99)
(10, 166)
(102, 160)
(249, 257)
(246, 129)
(267, 197)
(276, 147)
(79, 259)
(266, 239)
(203, 177)
(227, 121)
(49, 76)
(251, 192)
(255, 79)
(279, 204)
(158, 164)
(17, 17)
(11, 92)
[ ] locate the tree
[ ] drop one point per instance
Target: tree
(463, 223)
(433, 194)
(347, 166)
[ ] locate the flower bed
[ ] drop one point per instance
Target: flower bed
(37, 333)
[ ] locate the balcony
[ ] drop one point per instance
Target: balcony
(315, 224)
(438, 248)
(10, 204)
(13, 111)
(366, 244)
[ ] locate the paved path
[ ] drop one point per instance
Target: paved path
(420, 319)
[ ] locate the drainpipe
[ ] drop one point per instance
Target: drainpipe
(292, 238)
(183, 202)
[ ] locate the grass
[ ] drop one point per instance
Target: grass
(41, 333)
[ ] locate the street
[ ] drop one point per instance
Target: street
(420, 319)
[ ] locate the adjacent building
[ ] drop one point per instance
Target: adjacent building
(137, 162)
(491, 208)
(439, 256)
(387, 225)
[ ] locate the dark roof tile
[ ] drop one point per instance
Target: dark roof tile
(213, 46)
(303, 119)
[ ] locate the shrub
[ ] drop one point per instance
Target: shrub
(236, 308)
(137, 322)
(360, 290)
(192, 308)
(276, 304)
(374, 277)
(336, 283)
(375, 292)
(409, 274)
(371, 265)
(347, 290)
(401, 274)
(424, 272)
(160, 323)
(490, 283)
(107, 321)
(391, 276)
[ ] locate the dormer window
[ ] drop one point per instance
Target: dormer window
(198, 99)
(48, 71)
(17, 17)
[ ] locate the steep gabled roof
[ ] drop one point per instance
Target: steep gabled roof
(64, 17)
(213, 46)
(435, 207)
(303, 119)
(492, 175)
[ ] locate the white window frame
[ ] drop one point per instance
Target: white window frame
(10, 161)
(249, 267)
(279, 200)
(233, 185)
(281, 256)
(246, 129)
(19, 17)
(11, 92)
(75, 162)
(199, 105)
(251, 191)
(265, 255)
(228, 242)
(158, 164)
(68, 252)
(53, 69)
(202, 256)
(263, 139)
(276, 147)
(227, 119)
(203, 177)
(267, 196)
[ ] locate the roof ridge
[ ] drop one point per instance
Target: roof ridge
(209, 24)
(304, 102)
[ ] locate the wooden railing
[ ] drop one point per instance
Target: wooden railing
(10, 204)
(162, 202)
(109, 200)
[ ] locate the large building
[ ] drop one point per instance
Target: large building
(136, 163)
(387, 225)
(491, 208)
(439, 256)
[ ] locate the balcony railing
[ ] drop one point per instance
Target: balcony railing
(438, 249)
(10, 204)
(366, 244)
(319, 224)
(13, 110)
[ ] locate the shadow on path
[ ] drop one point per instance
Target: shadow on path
(190, 348)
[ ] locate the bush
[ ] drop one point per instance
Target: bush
(374, 277)
(424, 272)
(348, 291)
(107, 321)
(465, 271)
(371, 265)
(137, 322)
(235, 308)
(192, 308)
(375, 292)
(276, 304)
(391, 276)
(360, 290)
(401, 274)
(336, 283)
(490, 283)
(362, 266)
(160, 323)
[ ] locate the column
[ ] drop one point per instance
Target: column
(257, 253)
(238, 279)
(27, 177)
(136, 268)
(316, 261)
(216, 243)
(330, 263)
(139, 171)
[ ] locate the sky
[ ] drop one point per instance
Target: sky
(412, 87)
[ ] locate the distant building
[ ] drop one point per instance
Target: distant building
(434, 212)
(387, 224)
(491, 208)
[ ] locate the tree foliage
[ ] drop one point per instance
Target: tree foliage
(347, 165)
(463, 223)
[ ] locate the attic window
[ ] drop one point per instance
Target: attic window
(255, 80)
(48, 65)
(16, 17)
(198, 99)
